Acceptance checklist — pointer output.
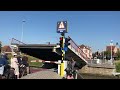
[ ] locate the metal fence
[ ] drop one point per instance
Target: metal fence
(16, 42)
(77, 49)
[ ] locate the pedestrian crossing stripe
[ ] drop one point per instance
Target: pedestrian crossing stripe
(61, 25)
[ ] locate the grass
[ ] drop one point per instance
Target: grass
(32, 64)
(35, 64)
(118, 67)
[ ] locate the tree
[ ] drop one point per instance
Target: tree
(118, 54)
(96, 54)
(107, 54)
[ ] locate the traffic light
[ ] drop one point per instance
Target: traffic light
(61, 42)
(67, 42)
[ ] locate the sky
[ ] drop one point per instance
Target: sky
(95, 29)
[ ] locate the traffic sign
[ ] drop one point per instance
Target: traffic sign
(66, 48)
(62, 27)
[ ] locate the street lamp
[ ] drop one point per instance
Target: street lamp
(22, 30)
(111, 43)
(103, 54)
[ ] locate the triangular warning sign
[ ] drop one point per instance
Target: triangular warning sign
(61, 25)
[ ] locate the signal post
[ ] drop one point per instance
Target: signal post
(63, 55)
(62, 28)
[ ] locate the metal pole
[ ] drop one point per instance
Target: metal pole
(63, 51)
(103, 55)
(111, 53)
(22, 30)
(63, 56)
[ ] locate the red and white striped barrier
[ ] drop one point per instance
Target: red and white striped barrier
(45, 61)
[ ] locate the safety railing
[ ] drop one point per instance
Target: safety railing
(77, 49)
(15, 41)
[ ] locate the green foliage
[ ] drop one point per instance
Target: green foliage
(118, 55)
(107, 53)
(36, 64)
(117, 67)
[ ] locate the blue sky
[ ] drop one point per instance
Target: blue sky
(93, 28)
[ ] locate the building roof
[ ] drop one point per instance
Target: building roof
(6, 49)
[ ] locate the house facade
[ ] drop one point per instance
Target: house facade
(114, 49)
(87, 50)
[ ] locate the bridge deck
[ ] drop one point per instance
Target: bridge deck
(52, 51)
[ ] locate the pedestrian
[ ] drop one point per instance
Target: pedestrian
(5, 55)
(26, 63)
(15, 65)
(70, 77)
(6, 66)
(19, 59)
(71, 70)
(73, 62)
(2, 65)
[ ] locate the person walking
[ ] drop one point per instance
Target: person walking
(2, 65)
(71, 70)
(26, 63)
(15, 65)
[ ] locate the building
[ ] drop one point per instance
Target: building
(87, 50)
(6, 49)
(114, 49)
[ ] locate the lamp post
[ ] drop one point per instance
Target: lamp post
(22, 30)
(111, 43)
(103, 54)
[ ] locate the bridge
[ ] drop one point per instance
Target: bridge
(52, 52)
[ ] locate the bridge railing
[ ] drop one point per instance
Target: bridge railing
(77, 49)
(15, 41)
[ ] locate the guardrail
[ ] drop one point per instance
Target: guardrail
(15, 41)
(77, 49)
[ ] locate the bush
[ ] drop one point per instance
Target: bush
(117, 67)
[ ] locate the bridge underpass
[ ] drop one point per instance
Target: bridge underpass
(52, 52)
(42, 52)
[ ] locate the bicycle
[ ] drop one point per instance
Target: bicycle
(22, 70)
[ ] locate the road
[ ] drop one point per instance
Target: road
(40, 73)
(33, 70)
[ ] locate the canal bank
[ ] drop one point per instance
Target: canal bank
(100, 71)
(97, 76)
